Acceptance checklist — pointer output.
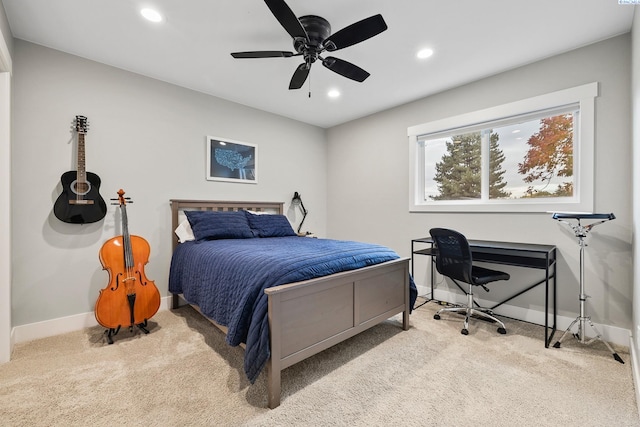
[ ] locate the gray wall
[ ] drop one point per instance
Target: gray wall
(5, 31)
(5, 187)
(636, 179)
(145, 136)
(369, 194)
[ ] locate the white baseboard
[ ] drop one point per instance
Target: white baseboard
(12, 342)
(609, 333)
(635, 369)
(62, 325)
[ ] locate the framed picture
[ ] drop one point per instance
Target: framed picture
(231, 161)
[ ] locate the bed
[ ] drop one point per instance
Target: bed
(288, 319)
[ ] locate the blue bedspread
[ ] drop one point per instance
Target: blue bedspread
(226, 280)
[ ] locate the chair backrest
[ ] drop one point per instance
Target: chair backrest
(454, 255)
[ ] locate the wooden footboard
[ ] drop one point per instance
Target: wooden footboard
(308, 317)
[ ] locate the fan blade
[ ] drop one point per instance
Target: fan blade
(262, 54)
(356, 33)
(346, 69)
(299, 76)
(287, 18)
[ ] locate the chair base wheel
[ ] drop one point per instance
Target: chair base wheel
(436, 316)
(502, 331)
(464, 332)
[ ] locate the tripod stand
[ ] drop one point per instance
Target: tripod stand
(581, 232)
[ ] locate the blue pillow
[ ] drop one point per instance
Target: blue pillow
(209, 225)
(270, 225)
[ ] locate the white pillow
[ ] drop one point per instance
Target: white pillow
(260, 213)
(184, 232)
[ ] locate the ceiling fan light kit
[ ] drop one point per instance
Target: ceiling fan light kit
(312, 36)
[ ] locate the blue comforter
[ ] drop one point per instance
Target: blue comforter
(226, 280)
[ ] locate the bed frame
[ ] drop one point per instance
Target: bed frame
(308, 317)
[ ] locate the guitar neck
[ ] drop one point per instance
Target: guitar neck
(81, 186)
(82, 171)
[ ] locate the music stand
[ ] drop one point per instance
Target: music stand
(581, 232)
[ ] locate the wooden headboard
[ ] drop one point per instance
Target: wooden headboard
(180, 205)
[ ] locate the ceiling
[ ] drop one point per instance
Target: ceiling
(471, 39)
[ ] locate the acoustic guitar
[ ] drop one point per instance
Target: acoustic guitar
(80, 201)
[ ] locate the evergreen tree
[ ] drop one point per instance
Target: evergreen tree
(458, 174)
(496, 173)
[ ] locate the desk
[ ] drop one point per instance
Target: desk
(542, 257)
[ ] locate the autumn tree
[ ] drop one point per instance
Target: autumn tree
(550, 154)
(458, 174)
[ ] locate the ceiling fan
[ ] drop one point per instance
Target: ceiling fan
(312, 36)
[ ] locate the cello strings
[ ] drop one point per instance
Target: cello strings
(128, 256)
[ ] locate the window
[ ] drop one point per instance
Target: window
(534, 155)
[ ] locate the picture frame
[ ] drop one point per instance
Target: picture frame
(231, 161)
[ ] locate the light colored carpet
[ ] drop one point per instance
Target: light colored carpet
(183, 374)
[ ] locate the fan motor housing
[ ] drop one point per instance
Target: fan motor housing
(317, 28)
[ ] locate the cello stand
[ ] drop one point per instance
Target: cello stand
(580, 232)
(143, 326)
(114, 331)
(110, 333)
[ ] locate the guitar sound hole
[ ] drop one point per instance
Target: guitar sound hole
(80, 188)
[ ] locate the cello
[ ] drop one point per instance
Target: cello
(130, 299)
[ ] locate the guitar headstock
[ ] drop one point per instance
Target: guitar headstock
(81, 124)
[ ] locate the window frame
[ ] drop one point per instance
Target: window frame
(583, 200)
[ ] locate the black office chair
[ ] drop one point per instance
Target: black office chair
(454, 260)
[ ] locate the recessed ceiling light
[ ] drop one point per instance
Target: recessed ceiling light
(424, 53)
(151, 15)
(333, 93)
